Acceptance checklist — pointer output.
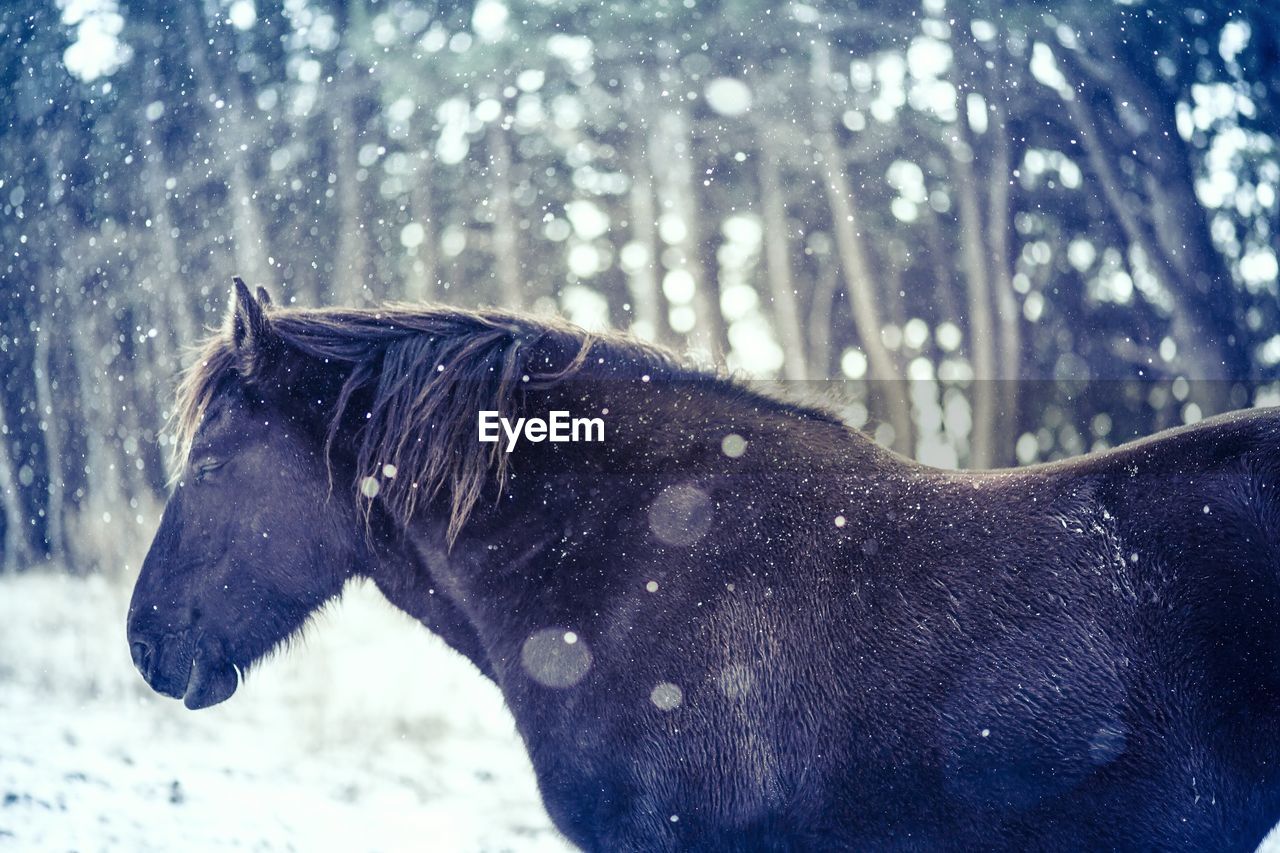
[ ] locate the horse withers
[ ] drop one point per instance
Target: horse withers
(735, 623)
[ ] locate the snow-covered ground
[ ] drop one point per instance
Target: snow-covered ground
(367, 735)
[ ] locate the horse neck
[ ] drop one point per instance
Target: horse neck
(407, 581)
(547, 551)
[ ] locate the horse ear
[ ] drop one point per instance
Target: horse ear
(254, 340)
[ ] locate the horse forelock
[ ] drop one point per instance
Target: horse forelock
(209, 375)
(420, 376)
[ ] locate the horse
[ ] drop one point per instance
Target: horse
(736, 623)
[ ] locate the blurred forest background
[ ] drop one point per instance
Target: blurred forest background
(928, 200)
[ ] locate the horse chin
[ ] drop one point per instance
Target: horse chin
(210, 682)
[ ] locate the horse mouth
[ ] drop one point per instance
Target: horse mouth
(209, 682)
(193, 673)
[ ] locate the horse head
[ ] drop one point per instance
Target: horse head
(231, 573)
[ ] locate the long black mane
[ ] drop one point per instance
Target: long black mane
(422, 373)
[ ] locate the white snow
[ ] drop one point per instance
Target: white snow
(412, 235)
(489, 20)
(368, 735)
(728, 96)
(242, 14)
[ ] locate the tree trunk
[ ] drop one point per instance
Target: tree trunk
(17, 547)
(854, 260)
(100, 404)
(642, 278)
(671, 153)
(1008, 308)
(982, 344)
(821, 308)
(1189, 269)
(891, 294)
(974, 253)
(424, 277)
(176, 325)
(1199, 351)
(247, 229)
(777, 250)
(104, 461)
(1180, 222)
(944, 290)
(351, 259)
(506, 232)
(50, 428)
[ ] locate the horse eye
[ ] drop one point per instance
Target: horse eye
(206, 468)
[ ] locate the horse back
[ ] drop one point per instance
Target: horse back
(1062, 655)
(1128, 655)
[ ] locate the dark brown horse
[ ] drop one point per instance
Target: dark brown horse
(736, 624)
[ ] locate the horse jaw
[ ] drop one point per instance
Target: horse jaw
(210, 682)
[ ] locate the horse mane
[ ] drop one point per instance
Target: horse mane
(422, 373)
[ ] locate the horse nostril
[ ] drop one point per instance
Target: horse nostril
(141, 653)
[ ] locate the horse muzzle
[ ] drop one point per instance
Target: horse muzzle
(175, 666)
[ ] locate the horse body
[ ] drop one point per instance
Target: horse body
(737, 624)
(966, 660)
